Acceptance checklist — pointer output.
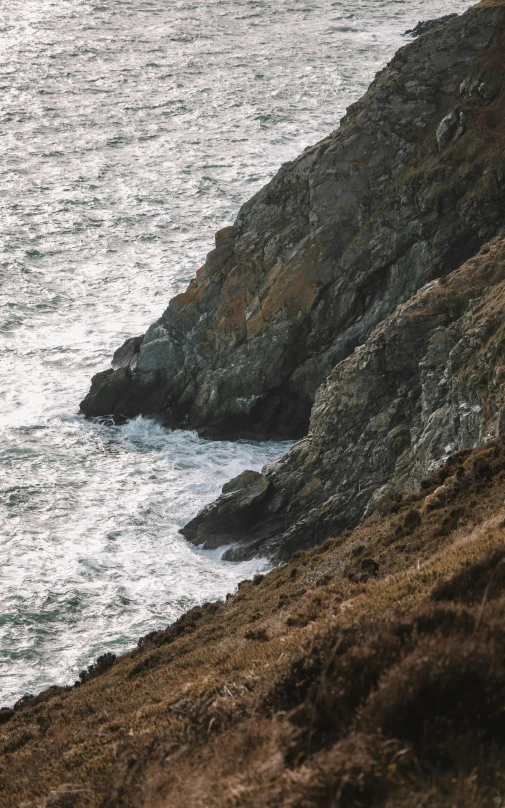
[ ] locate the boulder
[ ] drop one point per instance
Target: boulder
(233, 514)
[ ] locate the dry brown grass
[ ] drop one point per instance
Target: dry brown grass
(368, 671)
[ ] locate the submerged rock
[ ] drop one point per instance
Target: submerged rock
(329, 248)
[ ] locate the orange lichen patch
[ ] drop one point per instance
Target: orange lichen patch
(224, 237)
(215, 264)
(233, 320)
(184, 298)
(193, 294)
(234, 302)
(294, 290)
(205, 277)
(311, 486)
(255, 323)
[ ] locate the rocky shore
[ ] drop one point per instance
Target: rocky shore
(358, 303)
(334, 309)
(429, 381)
(404, 191)
(366, 673)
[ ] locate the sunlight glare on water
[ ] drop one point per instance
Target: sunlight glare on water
(131, 131)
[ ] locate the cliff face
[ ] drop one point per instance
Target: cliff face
(409, 187)
(368, 671)
(429, 381)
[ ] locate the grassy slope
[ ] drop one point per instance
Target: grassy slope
(369, 671)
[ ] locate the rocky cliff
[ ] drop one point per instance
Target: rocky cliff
(407, 188)
(429, 381)
(368, 671)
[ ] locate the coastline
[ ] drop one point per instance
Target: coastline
(367, 669)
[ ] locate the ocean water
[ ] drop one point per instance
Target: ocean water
(131, 130)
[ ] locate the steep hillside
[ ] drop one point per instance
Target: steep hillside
(408, 187)
(367, 672)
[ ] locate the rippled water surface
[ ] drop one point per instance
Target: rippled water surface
(130, 131)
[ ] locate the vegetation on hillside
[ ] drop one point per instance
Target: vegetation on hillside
(369, 671)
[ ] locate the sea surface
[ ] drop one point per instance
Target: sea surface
(130, 131)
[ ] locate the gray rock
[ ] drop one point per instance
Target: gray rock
(447, 130)
(325, 251)
(240, 501)
(125, 354)
(428, 382)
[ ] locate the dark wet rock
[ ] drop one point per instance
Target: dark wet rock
(107, 387)
(328, 249)
(235, 510)
(425, 26)
(125, 354)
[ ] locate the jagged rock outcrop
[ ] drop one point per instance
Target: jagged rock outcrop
(329, 248)
(425, 26)
(429, 381)
(234, 512)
